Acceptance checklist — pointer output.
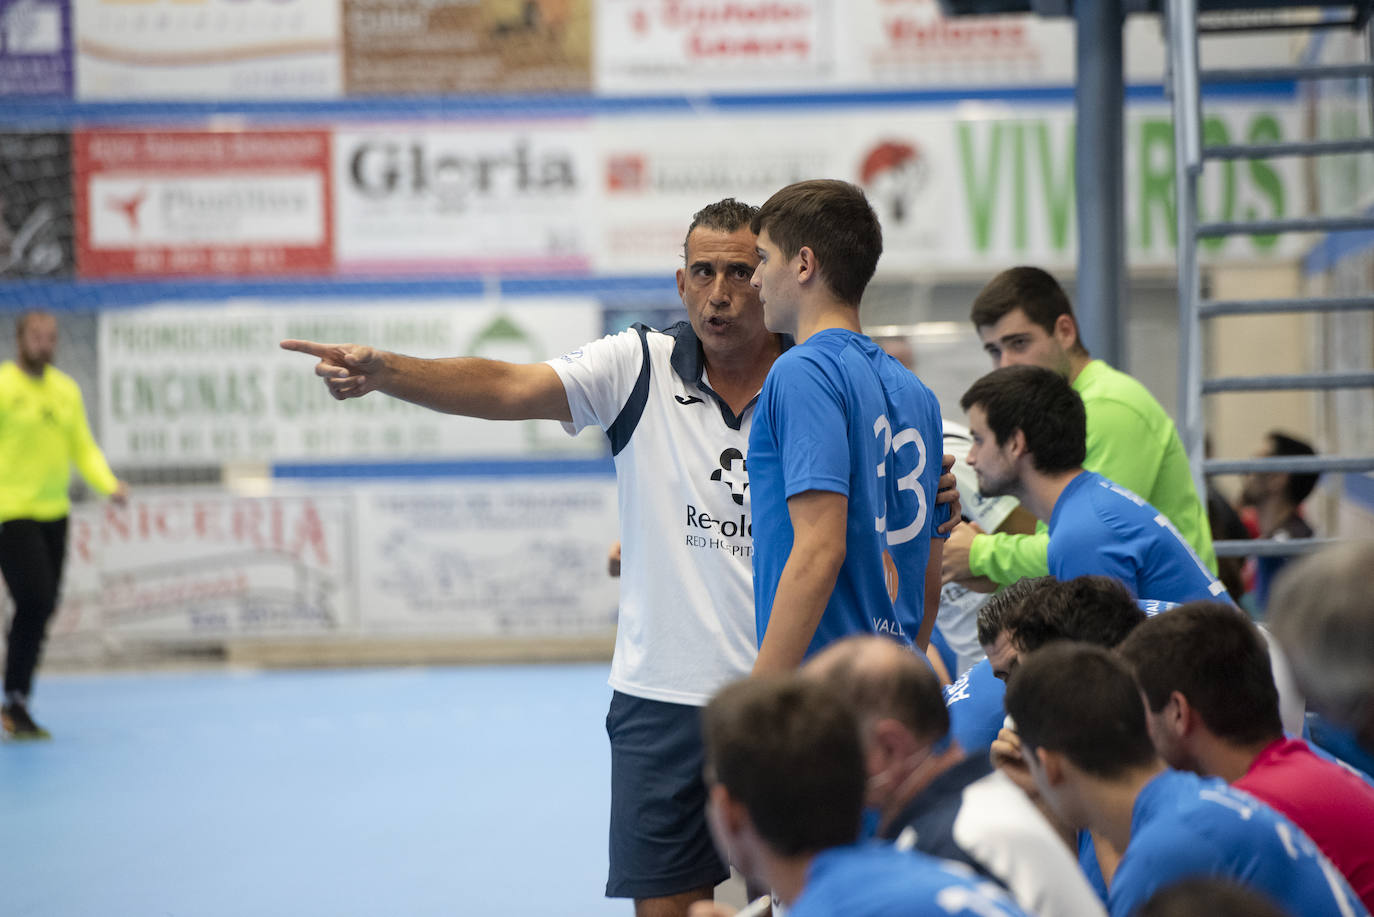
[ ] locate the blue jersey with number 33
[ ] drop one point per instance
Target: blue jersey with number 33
(838, 414)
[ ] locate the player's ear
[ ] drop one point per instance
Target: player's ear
(1052, 763)
(1066, 331)
(807, 265)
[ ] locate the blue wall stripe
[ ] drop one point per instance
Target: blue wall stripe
(353, 470)
(33, 113)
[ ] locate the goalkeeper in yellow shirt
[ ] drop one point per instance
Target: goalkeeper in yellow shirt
(43, 433)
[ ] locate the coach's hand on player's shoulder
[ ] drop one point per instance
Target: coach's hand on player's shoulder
(348, 370)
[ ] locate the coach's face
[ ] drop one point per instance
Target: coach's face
(37, 342)
(723, 308)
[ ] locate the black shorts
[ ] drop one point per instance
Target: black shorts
(660, 844)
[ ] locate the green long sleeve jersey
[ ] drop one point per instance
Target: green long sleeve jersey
(1132, 441)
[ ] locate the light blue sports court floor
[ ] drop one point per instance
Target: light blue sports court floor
(474, 791)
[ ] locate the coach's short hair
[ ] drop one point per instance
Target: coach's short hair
(879, 678)
(1042, 405)
(1211, 654)
(788, 750)
(1080, 701)
(727, 215)
(834, 220)
(1091, 609)
(1004, 605)
(1030, 289)
(1322, 612)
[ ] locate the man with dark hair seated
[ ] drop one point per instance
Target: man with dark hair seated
(1212, 708)
(786, 774)
(934, 797)
(1081, 722)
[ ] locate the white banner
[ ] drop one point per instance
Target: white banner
(481, 197)
(188, 384)
(497, 556)
(207, 49)
(973, 188)
(206, 564)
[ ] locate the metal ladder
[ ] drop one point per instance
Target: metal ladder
(1185, 89)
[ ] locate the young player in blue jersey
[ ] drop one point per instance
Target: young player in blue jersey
(787, 778)
(842, 455)
(1029, 431)
(1084, 740)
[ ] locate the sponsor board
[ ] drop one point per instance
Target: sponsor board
(35, 48)
(498, 556)
(207, 49)
(954, 190)
(35, 205)
(212, 202)
(452, 46)
(194, 385)
(206, 564)
(483, 197)
(690, 46)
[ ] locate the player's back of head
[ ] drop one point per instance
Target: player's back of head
(1080, 701)
(1090, 609)
(1216, 658)
(833, 219)
(788, 750)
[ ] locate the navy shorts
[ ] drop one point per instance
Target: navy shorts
(660, 844)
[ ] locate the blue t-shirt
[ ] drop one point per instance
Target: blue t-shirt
(975, 707)
(838, 414)
(877, 880)
(1099, 528)
(1184, 825)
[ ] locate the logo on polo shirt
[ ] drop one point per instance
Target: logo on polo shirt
(690, 399)
(731, 473)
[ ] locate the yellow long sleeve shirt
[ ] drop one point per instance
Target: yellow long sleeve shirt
(43, 433)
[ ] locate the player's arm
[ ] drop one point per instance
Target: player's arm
(932, 597)
(808, 577)
(470, 386)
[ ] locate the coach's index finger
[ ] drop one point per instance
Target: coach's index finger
(311, 347)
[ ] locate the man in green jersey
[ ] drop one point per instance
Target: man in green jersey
(1023, 317)
(43, 433)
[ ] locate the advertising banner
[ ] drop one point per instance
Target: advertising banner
(483, 197)
(35, 48)
(953, 192)
(192, 385)
(35, 205)
(202, 563)
(186, 202)
(501, 556)
(208, 49)
(456, 46)
(691, 46)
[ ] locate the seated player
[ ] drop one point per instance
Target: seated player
(1212, 708)
(786, 775)
(1081, 722)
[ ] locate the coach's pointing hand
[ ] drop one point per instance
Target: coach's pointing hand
(349, 370)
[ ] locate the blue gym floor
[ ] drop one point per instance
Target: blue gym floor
(347, 792)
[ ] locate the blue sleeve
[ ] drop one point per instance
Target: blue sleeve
(1144, 872)
(808, 422)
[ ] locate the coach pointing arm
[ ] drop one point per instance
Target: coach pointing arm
(470, 386)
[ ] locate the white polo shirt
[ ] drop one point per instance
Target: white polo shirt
(686, 574)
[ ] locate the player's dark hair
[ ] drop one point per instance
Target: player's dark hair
(723, 216)
(1090, 609)
(1042, 405)
(835, 221)
(1211, 654)
(1080, 701)
(1299, 485)
(1213, 896)
(906, 690)
(788, 750)
(1002, 605)
(1029, 289)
